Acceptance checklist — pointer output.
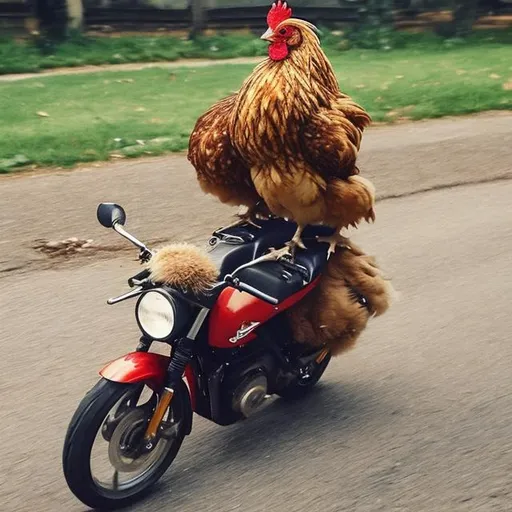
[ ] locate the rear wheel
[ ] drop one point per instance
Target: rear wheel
(104, 462)
(306, 379)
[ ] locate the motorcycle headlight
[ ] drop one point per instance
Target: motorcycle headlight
(156, 315)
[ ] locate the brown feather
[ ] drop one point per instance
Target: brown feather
(300, 135)
(220, 170)
(331, 315)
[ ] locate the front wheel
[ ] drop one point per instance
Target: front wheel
(103, 462)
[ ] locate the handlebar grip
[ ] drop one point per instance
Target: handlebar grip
(141, 275)
(260, 295)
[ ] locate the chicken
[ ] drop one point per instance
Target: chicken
(289, 139)
(350, 292)
(300, 135)
(220, 169)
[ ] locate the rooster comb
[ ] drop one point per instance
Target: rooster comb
(278, 13)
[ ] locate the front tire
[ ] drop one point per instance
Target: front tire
(92, 421)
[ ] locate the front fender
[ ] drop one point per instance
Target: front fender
(138, 367)
(151, 369)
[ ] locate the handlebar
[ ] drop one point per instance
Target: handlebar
(236, 283)
(135, 280)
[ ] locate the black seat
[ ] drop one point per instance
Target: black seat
(234, 247)
(237, 246)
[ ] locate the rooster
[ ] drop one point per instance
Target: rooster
(220, 169)
(289, 139)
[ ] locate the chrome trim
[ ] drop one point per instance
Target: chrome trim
(198, 323)
(242, 333)
(119, 229)
(132, 293)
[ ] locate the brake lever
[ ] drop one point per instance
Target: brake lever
(145, 255)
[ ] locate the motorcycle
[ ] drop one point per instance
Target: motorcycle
(231, 350)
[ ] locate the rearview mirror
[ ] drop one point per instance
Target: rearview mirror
(110, 214)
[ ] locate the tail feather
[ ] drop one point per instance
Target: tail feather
(350, 201)
(351, 291)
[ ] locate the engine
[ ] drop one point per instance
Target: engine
(249, 386)
(250, 395)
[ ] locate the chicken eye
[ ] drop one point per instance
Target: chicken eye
(282, 31)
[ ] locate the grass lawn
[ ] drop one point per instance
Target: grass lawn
(26, 57)
(63, 120)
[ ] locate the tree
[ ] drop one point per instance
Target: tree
(52, 17)
(465, 13)
(57, 17)
(75, 10)
(198, 17)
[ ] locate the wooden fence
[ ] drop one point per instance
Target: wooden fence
(253, 17)
(219, 18)
(132, 17)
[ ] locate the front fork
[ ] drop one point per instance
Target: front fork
(180, 358)
(182, 354)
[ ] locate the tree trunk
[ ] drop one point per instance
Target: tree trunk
(75, 14)
(52, 16)
(198, 17)
(465, 13)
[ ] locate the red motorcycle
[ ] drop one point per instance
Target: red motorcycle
(231, 349)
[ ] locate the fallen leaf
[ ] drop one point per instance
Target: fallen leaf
(494, 76)
(507, 86)
(140, 109)
(399, 77)
(43, 114)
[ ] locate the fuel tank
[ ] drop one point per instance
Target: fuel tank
(236, 316)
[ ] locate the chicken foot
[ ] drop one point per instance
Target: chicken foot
(289, 249)
(335, 240)
(249, 217)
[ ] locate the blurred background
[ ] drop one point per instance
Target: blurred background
(416, 418)
(451, 17)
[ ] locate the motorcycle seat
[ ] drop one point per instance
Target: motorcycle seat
(234, 247)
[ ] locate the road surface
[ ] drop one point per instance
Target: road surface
(417, 418)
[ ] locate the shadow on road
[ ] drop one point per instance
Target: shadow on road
(326, 417)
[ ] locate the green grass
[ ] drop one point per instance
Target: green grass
(28, 56)
(92, 116)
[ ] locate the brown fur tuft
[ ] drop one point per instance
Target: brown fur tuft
(183, 266)
(331, 315)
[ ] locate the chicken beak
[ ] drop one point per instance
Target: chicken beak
(268, 35)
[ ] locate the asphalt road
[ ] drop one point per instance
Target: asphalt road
(417, 418)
